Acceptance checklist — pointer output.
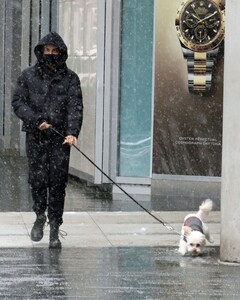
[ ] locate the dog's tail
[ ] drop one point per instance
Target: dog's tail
(205, 208)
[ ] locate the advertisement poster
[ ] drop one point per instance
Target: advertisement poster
(187, 123)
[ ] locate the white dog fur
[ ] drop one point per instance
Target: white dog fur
(194, 231)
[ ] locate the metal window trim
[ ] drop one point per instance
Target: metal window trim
(45, 17)
(133, 180)
(2, 51)
(186, 178)
(53, 25)
(112, 87)
(107, 90)
(153, 85)
(100, 93)
(35, 26)
(25, 56)
(9, 71)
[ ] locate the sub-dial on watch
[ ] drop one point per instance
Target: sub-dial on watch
(200, 28)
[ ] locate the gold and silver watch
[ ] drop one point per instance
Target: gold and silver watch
(200, 28)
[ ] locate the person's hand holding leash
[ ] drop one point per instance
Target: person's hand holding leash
(44, 126)
(70, 140)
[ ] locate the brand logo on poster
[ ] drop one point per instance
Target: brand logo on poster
(203, 141)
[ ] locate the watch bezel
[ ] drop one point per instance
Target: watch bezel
(198, 47)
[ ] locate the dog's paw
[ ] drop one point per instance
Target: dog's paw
(182, 251)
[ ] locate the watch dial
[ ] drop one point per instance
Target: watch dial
(200, 21)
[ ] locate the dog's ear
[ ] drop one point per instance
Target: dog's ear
(187, 230)
(203, 241)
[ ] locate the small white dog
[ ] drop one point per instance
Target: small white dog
(194, 231)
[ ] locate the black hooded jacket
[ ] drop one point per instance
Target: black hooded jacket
(51, 95)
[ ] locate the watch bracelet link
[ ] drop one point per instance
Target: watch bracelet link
(200, 66)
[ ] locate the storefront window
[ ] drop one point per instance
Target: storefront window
(78, 21)
(136, 88)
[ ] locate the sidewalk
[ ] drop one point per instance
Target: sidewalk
(113, 250)
(91, 218)
(101, 229)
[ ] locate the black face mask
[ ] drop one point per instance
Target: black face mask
(51, 59)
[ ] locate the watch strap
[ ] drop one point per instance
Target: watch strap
(200, 66)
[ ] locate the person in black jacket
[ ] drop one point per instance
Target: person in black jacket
(48, 95)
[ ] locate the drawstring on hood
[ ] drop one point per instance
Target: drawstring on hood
(52, 38)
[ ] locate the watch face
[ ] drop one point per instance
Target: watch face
(200, 24)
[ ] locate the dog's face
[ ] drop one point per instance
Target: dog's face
(195, 241)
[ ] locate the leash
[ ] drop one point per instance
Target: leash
(160, 220)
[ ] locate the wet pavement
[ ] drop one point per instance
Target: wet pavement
(113, 250)
(124, 273)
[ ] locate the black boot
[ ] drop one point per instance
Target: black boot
(54, 242)
(37, 230)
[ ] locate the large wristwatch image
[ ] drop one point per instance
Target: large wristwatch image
(200, 28)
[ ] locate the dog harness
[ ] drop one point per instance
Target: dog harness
(194, 223)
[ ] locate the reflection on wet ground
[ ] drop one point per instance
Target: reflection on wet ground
(115, 273)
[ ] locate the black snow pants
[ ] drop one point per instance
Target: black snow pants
(48, 161)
